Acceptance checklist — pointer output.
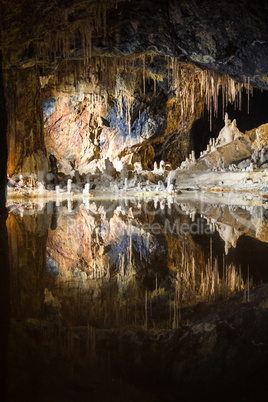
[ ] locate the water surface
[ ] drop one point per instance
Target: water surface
(86, 276)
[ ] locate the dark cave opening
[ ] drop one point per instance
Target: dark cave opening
(258, 105)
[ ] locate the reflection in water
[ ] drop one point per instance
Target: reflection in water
(82, 270)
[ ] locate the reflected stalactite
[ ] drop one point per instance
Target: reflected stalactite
(27, 244)
(113, 281)
(115, 272)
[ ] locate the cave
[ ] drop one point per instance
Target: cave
(133, 199)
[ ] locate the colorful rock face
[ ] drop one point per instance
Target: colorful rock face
(86, 122)
(113, 77)
(25, 137)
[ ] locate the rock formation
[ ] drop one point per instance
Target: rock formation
(102, 97)
(122, 78)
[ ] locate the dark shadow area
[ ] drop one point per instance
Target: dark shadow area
(5, 306)
(3, 141)
(258, 105)
(4, 256)
(249, 252)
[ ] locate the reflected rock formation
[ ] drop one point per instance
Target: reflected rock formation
(120, 255)
(115, 288)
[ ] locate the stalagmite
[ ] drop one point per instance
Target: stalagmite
(86, 203)
(262, 157)
(69, 186)
(162, 204)
(168, 182)
(40, 188)
(86, 189)
(125, 184)
(162, 166)
(69, 206)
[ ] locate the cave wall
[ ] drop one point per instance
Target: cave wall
(229, 37)
(38, 40)
(143, 109)
(125, 112)
(25, 137)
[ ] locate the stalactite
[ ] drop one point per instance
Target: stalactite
(226, 92)
(176, 77)
(129, 119)
(193, 100)
(223, 98)
(187, 82)
(210, 113)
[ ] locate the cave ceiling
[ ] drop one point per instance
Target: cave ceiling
(225, 36)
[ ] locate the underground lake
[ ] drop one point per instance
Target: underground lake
(137, 297)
